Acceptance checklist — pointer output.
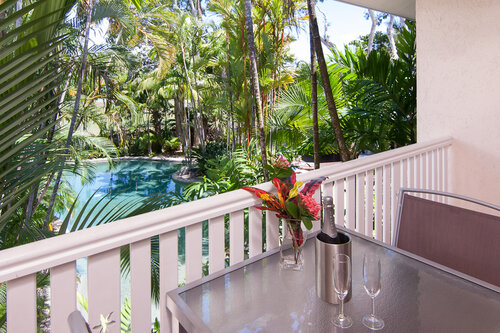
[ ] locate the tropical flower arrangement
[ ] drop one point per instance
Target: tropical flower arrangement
(288, 203)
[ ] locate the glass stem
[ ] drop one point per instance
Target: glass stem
(341, 308)
(373, 306)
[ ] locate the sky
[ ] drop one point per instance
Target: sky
(345, 23)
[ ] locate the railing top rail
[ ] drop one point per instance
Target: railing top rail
(33, 257)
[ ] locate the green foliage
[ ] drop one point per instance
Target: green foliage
(277, 172)
(171, 146)
(213, 150)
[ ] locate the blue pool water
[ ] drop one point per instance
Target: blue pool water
(127, 181)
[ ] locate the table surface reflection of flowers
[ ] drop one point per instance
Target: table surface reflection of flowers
(288, 203)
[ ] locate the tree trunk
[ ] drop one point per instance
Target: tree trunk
(314, 100)
(74, 115)
(179, 130)
(372, 31)
(390, 35)
(255, 83)
(332, 108)
(149, 133)
(193, 100)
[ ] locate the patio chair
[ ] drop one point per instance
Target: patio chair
(77, 323)
(462, 239)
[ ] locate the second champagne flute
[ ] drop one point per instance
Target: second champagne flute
(341, 284)
(371, 282)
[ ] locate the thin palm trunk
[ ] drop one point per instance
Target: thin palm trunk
(390, 35)
(193, 100)
(255, 83)
(74, 115)
(327, 88)
(372, 30)
(314, 101)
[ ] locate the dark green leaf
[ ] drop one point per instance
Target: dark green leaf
(292, 209)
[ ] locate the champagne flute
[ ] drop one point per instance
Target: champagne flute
(371, 282)
(341, 284)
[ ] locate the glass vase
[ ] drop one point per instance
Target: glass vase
(292, 241)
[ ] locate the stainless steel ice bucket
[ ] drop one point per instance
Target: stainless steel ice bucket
(324, 268)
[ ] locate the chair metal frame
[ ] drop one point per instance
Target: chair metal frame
(404, 190)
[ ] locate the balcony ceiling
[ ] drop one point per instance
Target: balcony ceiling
(403, 8)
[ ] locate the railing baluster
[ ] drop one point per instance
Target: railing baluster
(434, 154)
(404, 173)
(338, 200)
(428, 172)
(396, 179)
(378, 203)
(386, 226)
(327, 189)
(360, 203)
(193, 252)
(140, 285)
(445, 169)
(369, 227)
(351, 202)
(422, 183)
(216, 251)
(254, 231)
(169, 275)
(411, 172)
(236, 237)
(416, 172)
(317, 224)
(62, 296)
(21, 304)
(440, 173)
(272, 231)
(104, 287)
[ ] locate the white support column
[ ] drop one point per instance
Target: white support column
(351, 202)
(168, 278)
(360, 203)
(193, 252)
(140, 285)
(216, 246)
(254, 231)
(104, 288)
(21, 298)
(62, 296)
(338, 200)
(236, 237)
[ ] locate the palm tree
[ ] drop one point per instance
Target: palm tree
(332, 108)
(255, 83)
(314, 99)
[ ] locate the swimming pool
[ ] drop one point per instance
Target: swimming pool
(127, 181)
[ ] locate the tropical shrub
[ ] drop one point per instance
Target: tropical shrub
(171, 145)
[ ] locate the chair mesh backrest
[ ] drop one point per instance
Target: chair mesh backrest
(462, 239)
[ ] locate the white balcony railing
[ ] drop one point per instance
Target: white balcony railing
(364, 190)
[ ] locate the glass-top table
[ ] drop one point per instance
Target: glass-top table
(256, 296)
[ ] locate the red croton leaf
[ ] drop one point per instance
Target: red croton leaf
(312, 186)
(256, 191)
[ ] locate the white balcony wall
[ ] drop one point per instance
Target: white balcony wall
(458, 69)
